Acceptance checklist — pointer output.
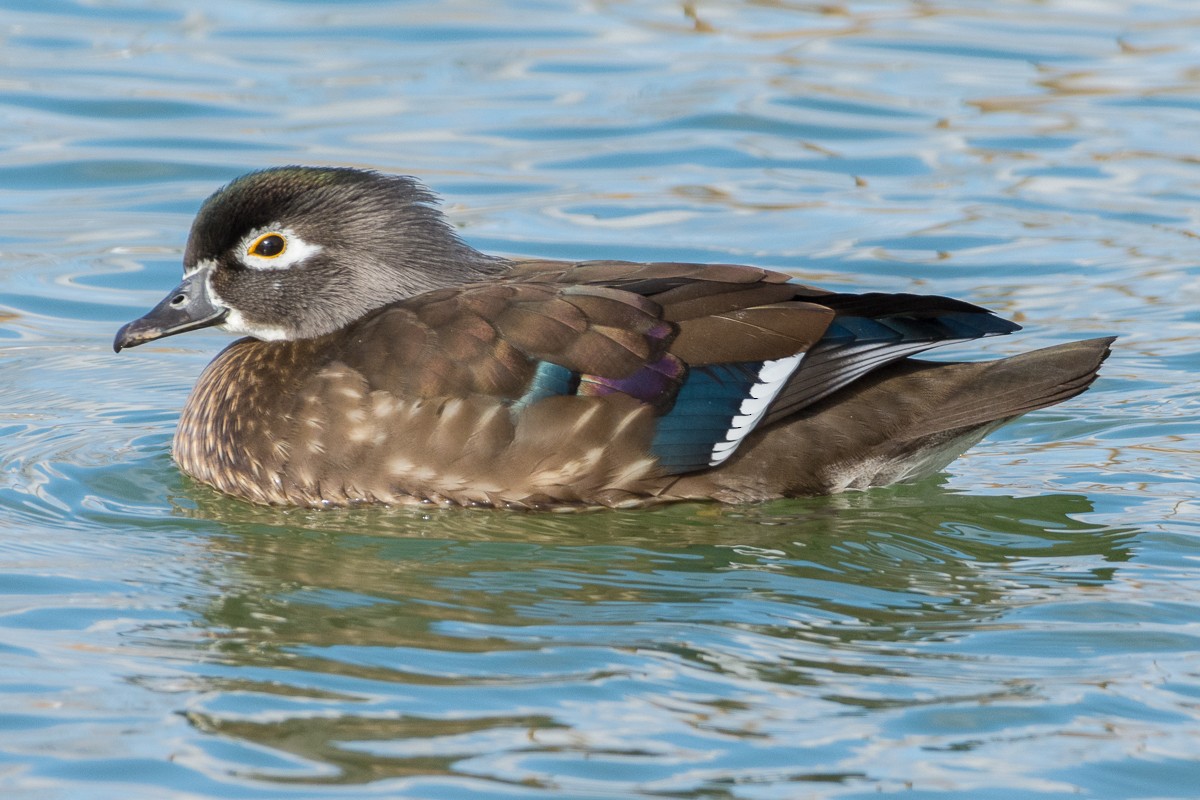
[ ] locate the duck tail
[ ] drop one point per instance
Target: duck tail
(1001, 390)
(903, 422)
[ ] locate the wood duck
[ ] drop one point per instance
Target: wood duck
(387, 361)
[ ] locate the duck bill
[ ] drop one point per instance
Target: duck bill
(187, 307)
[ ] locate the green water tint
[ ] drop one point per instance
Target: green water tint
(459, 627)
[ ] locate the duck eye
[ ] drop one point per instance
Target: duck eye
(269, 245)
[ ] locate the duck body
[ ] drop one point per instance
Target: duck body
(388, 362)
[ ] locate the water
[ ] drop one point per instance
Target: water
(1022, 626)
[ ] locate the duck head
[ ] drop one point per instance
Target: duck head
(298, 252)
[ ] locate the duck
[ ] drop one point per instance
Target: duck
(384, 360)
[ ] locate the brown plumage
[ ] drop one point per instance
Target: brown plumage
(389, 362)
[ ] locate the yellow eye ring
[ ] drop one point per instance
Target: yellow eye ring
(269, 245)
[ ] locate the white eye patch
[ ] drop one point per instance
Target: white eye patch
(274, 247)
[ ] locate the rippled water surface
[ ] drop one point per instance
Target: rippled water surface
(1023, 626)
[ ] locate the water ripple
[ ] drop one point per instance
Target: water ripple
(1021, 625)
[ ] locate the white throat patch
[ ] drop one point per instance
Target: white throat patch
(238, 325)
(235, 322)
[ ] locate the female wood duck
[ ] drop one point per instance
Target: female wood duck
(389, 362)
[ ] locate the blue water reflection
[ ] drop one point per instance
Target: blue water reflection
(1022, 626)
